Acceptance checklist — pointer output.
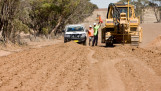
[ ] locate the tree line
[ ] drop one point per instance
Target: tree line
(140, 5)
(40, 17)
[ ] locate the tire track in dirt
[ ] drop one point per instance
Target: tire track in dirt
(129, 69)
(90, 58)
(104, 76)
(94, 73)
(136, 74)
(114, 79)
(151, 58)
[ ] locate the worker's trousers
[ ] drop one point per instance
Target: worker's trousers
(91, 39)
(95, 41)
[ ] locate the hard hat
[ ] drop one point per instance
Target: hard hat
(94, 24)
(90, 25)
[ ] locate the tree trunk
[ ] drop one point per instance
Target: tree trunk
(156, 14)
(58, 24)
(1, 24)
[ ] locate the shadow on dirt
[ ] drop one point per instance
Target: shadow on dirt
(108, 46)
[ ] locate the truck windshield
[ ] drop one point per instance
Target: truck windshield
(75, 29)
(125, 10)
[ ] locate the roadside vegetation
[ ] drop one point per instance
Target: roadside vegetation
(40, 17)
(140, 5)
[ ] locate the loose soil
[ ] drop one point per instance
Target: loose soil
(70, 66)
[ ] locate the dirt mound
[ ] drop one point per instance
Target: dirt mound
(155, 45)
(74, 67)
(60, 67)
(150, 32)
(156, 42)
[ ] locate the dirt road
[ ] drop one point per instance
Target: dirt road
(73, 67)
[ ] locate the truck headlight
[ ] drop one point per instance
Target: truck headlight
(67, 35)
(83, 35)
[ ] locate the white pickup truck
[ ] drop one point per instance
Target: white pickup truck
(76, 33)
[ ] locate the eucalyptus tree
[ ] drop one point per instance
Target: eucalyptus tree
(9, 9)
(53, 15)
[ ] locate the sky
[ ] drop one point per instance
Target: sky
(103, 3)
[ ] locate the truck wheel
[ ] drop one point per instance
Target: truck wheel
(112, 43)
(65, 40)
(84, 43)
(109, 44)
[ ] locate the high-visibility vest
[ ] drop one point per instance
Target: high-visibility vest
(96, 29)
(90, 32)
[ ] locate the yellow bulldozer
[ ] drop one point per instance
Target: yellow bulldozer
(121, 26)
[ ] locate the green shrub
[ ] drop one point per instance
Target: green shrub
(45, 31)
(20, 27)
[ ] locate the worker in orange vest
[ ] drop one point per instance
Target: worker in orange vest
(90, 34)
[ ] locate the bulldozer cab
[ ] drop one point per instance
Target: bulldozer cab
(125, 10)
(122, 8)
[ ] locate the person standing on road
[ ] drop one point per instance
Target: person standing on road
(90, 34)
(96, 27)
